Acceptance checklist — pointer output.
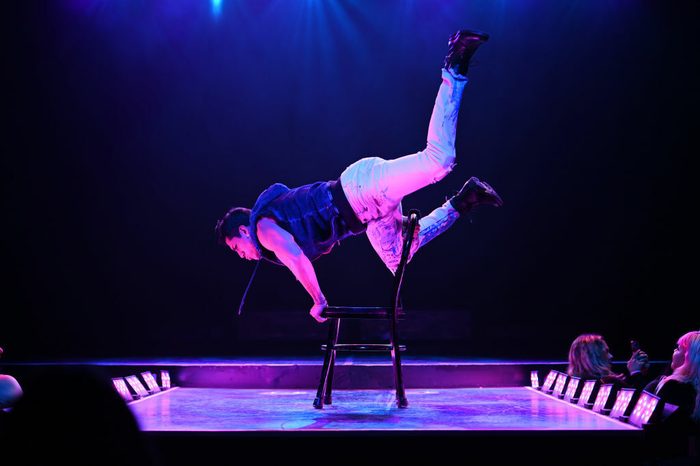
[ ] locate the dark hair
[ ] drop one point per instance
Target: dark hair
(227, 227)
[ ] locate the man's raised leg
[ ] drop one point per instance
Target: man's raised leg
(473, 194)
(376, 187)
(405, 175)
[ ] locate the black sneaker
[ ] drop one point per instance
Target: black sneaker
(475, 193)
(461, 47)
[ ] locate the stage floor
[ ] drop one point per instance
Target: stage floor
(281, 410)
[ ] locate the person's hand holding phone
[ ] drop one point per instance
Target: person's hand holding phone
(639, 361)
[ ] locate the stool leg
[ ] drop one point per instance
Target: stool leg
(332, 334)
(401, 400)
(328, 398)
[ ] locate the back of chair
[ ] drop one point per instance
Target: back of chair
(413, 217)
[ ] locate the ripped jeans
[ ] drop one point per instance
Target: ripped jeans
(375, 187)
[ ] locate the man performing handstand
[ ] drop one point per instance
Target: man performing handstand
(293, 227)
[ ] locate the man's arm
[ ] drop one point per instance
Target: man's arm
(282, 243)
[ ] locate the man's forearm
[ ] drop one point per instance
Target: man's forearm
(304, 271)
(282, 243)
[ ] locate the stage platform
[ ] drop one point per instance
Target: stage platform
(475, 411)
(466, 409)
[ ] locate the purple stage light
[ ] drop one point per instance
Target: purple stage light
(122, 389)
(624, 396)
(164, 379)
(588, 387)
(559, 385)
(571, 389)
(534, 379)
(549, 381)
(150, 382)
(644, 409)
(138, 387)
(602, 398)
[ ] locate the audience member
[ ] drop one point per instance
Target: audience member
(590, 358)
(677, 435)
(73, 415)
(10, 390)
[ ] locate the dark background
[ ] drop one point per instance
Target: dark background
(131, 126)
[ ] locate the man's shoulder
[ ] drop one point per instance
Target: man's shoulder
(266, 222)
(274, 237)
(268, 227)
(268, 195)
(274, 190)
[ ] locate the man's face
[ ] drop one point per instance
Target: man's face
(243, 245)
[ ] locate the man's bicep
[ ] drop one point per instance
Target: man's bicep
(277, 239)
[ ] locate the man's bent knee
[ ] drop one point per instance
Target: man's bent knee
(442, 161)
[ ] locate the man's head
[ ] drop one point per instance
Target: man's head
(233, 231)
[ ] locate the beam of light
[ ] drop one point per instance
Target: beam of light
(216, 7)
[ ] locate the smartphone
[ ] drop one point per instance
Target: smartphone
(634, 344)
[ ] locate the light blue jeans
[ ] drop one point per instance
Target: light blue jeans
(375, 186)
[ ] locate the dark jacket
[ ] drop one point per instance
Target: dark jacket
(315, 214)
(676, 393)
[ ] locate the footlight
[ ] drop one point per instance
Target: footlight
(138, 387)
(559, 385)
(586, 391)
(602, 398)
(549, 381)
(122, 389)
(164, 379)
(150, 382)
(571, 389)
(644, 409)
(624, 396)
(534, 379)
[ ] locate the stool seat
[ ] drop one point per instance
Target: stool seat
(362, 347)
(354, 312)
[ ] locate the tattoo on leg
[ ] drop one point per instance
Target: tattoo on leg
(431, 231)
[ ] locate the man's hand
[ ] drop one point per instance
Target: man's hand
(316, 311)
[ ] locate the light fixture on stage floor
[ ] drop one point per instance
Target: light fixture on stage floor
(602, 398)
(122, 389)
(138, 387)
(549, 381)
(560, 384)
(571, 389)
(150, 382)
(644, 409)
(164, 379)
(586, 391)
(622, 402)
(534, 379)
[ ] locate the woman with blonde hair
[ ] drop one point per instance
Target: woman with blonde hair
(679, 435)
(682, 387)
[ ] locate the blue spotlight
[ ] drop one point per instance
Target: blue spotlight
(216, 7)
